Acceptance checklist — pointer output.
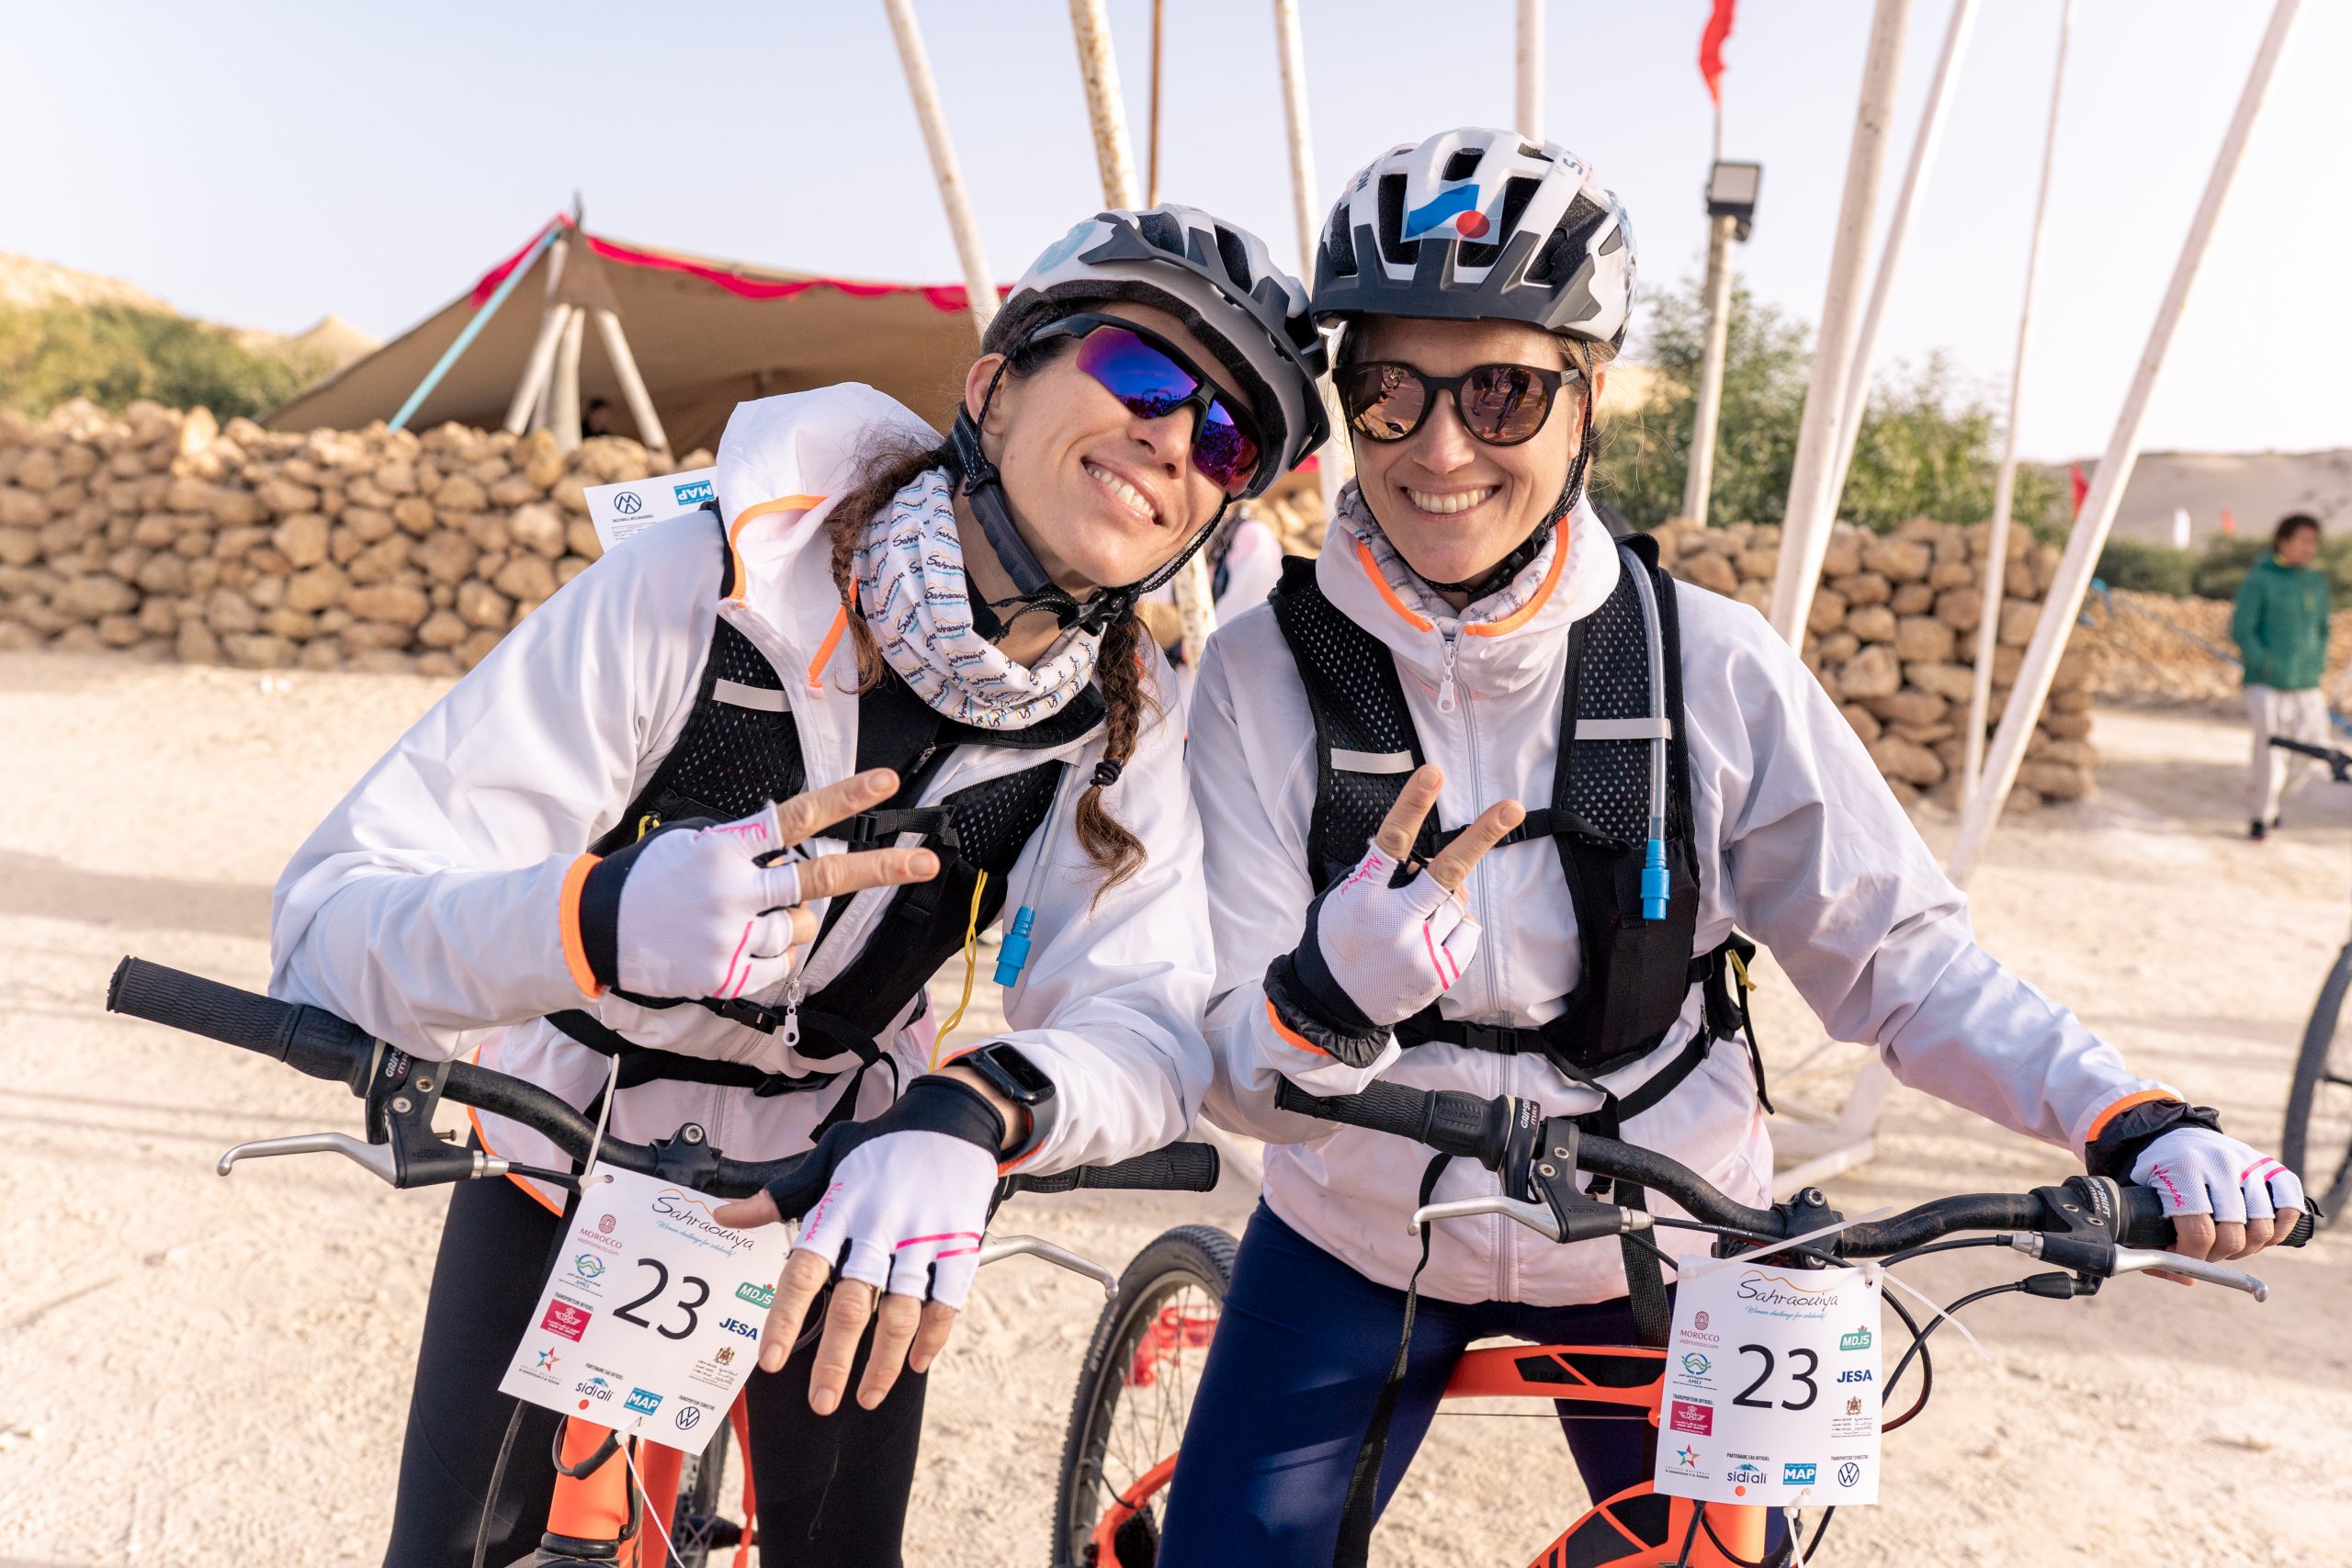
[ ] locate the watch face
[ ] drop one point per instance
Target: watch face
(1020, 1076)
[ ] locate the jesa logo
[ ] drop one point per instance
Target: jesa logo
(1859, 1340)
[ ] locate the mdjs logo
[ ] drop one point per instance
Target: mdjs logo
(694, 492)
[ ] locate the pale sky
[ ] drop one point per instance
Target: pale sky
(265, 164)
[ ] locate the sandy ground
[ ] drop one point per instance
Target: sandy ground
(195, 1371)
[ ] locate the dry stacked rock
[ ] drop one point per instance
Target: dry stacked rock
(1892, 638)
(168, 536)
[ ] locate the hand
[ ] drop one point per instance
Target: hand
(711, 911)
(902, 1209)
(2225, 1200)
(1384, 953)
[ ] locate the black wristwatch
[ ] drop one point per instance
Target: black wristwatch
(1005, 1069)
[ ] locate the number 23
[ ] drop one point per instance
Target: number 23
(1812, 1392)
(627, 1314)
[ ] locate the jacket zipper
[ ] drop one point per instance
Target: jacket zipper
(1445, 698)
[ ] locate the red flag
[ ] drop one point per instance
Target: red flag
(1711, 48)
(2081, 489)
(2228, 524)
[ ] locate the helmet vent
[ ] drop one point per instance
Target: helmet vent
(1339, 243)
(1528, 150)
(1462, 166)
(1518, 192)
(1161, 231)
(1567, 240)
(1233, 254)
(1393, 247)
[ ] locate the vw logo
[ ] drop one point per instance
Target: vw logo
(690, 1416)
(628, 503)
(1848, 1473)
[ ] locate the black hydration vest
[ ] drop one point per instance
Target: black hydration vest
(739, 750)
(1637, 972)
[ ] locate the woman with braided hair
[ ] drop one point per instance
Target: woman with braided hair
(701, 829)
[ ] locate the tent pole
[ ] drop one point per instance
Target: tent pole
(1996, 554)
(1106, 109)
(979, 289)
(2064, 601)
(1701, 476)
(1158, 42)
(1335, 465)
(473, 327)
(563, 398)
(1811, 509)
(640, 404)
(1531, 69)
(1916, 173)
(542, 360)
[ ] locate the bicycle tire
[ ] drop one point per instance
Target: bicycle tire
(1191, 1267)
(699, 1527)
(2313, 1152)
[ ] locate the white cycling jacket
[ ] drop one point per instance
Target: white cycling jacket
(1800, 844)
(425, 908)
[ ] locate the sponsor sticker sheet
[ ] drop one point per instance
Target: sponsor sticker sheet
(621, 509)
(650, 1320)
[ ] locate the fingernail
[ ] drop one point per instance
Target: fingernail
(868, 1401)
(823, 1400)
(876, 778)
(924, 860)
(772, 1358)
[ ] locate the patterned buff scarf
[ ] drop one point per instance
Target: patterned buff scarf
(911, 587)
(1418, 594)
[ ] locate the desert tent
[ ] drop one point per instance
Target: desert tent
(706, 335)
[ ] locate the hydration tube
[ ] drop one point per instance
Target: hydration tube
(1655, 881)
(1014, 956)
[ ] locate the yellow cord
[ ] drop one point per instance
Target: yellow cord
(971, 964)
(1739, 967)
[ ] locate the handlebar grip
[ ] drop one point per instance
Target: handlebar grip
(1179, 1167)
(306, 1039)
(1450, 1121)
(2145, 1223)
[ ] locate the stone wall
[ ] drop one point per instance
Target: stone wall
(1893, 640)
(166, 535)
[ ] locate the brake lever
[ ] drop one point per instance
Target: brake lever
(378, 1158)
(1047, 1252)
(2133, 1259)
(1585, 1222)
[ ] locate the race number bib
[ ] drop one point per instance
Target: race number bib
(1772, 1388)
(650, 1321)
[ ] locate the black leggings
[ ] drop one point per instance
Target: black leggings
(832, 1489)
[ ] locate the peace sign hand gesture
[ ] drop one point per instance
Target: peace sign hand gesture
(1390, 937)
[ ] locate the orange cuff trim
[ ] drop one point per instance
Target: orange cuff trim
(1371, 569)
(797, 505)
(575, 951)
(1526, 612)
(825, 650)
(2144, 1097)
(1291, 1036)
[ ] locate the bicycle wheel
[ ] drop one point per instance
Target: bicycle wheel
(1135, 1393)
(698, 1528)
(2318, 1142)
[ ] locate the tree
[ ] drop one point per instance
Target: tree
(1929, 447)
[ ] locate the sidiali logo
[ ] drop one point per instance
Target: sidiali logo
(690, 1211)
(1859, 1340)
(1746, 1475)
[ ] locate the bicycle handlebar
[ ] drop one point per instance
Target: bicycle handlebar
(315, 1041)
(2339, 764)
(1456, 1122)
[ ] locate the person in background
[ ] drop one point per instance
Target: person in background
(596, 419)
(2280, 627)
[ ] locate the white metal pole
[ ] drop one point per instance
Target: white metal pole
(1106, 109)
(1701, 479)
(563, 398)
(542, 360)
(1916, 173)
(1336, 463)
(641, 401)
(1804, 532)
(2023, 710)
(1997, 555)
(980, 288)
(1531, 69)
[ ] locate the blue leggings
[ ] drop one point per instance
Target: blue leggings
(1299, 1359)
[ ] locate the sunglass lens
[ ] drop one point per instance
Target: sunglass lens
(1225, 452)
(1504, 404)
(1139, 376)
(1384, 402)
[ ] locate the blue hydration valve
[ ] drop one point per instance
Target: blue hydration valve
(1654, 885)
(1014, 953)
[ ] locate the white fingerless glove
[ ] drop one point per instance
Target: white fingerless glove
(906, 1205)
(2198, 1171)
(689, 911)
(1373, 955)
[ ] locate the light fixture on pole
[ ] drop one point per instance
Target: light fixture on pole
(1731, 212)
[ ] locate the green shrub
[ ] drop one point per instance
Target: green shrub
(2148, 569)
(113, 354)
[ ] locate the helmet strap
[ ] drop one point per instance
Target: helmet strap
(1511, 565)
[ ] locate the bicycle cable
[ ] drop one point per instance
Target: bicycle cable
(497, 1482)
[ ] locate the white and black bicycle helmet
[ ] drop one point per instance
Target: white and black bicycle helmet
(1484, 225)
(1219, 281)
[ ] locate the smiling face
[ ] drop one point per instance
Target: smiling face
(1452, 504)
(1103, 497)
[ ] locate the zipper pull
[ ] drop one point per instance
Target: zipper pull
(1445, 698)
(792, 990)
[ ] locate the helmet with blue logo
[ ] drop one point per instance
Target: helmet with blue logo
(1480, 225)
(1216, 277)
